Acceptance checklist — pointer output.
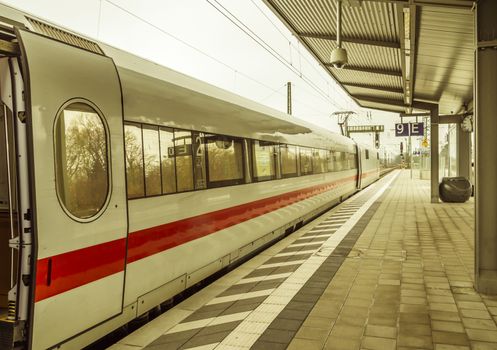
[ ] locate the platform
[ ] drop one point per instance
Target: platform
(386, 269)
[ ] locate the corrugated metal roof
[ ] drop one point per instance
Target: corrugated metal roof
(361, 91)
(373, 34)
(371, 21)
(367, 56)
(366, 78)
(444, 59)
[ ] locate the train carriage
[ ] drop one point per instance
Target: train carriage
(123, 183)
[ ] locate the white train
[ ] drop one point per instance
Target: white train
(123, 183)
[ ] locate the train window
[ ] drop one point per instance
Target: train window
(184, 164)
(319, 164)
(352, 160)
(168, 171)
(134, 160)
(330, 161)
(81, 159)
(199, 160)
(263, 160)
(346, 163)
(225, 161)
(305, 161)
(288, 156)
(367, 154)
(151, 157)
(339, 164)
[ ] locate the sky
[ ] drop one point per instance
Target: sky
(240, 46)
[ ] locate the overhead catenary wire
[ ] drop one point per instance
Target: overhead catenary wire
(311, 64)
(236, 71)
(250, 33)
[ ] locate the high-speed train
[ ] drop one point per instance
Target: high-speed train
(124, 183)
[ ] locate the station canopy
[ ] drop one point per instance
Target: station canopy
(399, 52)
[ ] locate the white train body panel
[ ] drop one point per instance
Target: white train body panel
(165, 266)
(370, 166)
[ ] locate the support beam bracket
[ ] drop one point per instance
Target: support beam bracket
(369, 70)
(333, 37)
(372, 87)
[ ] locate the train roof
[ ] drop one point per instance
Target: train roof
(158, 95)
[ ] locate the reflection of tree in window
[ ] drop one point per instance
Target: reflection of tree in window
(225, 158)
(288, 156)
(305, 160)
(331, 161)
(81, 155)
(151, 158)
(352, 160)
(263, 160)
(338, 161)
(167, 161)
(184, 165)
(134, 160)
(319, 164)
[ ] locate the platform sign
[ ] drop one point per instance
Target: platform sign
(417, 129)
(409, 129)
(402, 129)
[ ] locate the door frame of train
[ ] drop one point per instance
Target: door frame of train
(19, 295)
(359, 167)
(56, 73)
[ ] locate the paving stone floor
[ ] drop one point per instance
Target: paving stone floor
(407, 283)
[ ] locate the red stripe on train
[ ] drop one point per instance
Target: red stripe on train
(79, 267)
(144, 243)
(370, 173)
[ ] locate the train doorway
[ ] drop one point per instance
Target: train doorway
(8, 210)
(15, 251)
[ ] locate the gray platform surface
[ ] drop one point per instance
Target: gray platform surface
(384, 270)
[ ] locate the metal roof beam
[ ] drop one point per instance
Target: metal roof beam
(384, 101)
(370, 70)
(458, 4)
(378, 88)
(391, 110)
(333, 37)
(413, 49)
(400, 23)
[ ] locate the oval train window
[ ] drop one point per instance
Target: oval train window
(81, 160)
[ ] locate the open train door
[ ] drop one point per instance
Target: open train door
(75, 137)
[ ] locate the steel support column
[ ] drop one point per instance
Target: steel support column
(434, 121)
(486, 145)
(463, 152)
(435, 194)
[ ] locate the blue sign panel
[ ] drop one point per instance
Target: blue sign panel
(417, 129)
(402, 129)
